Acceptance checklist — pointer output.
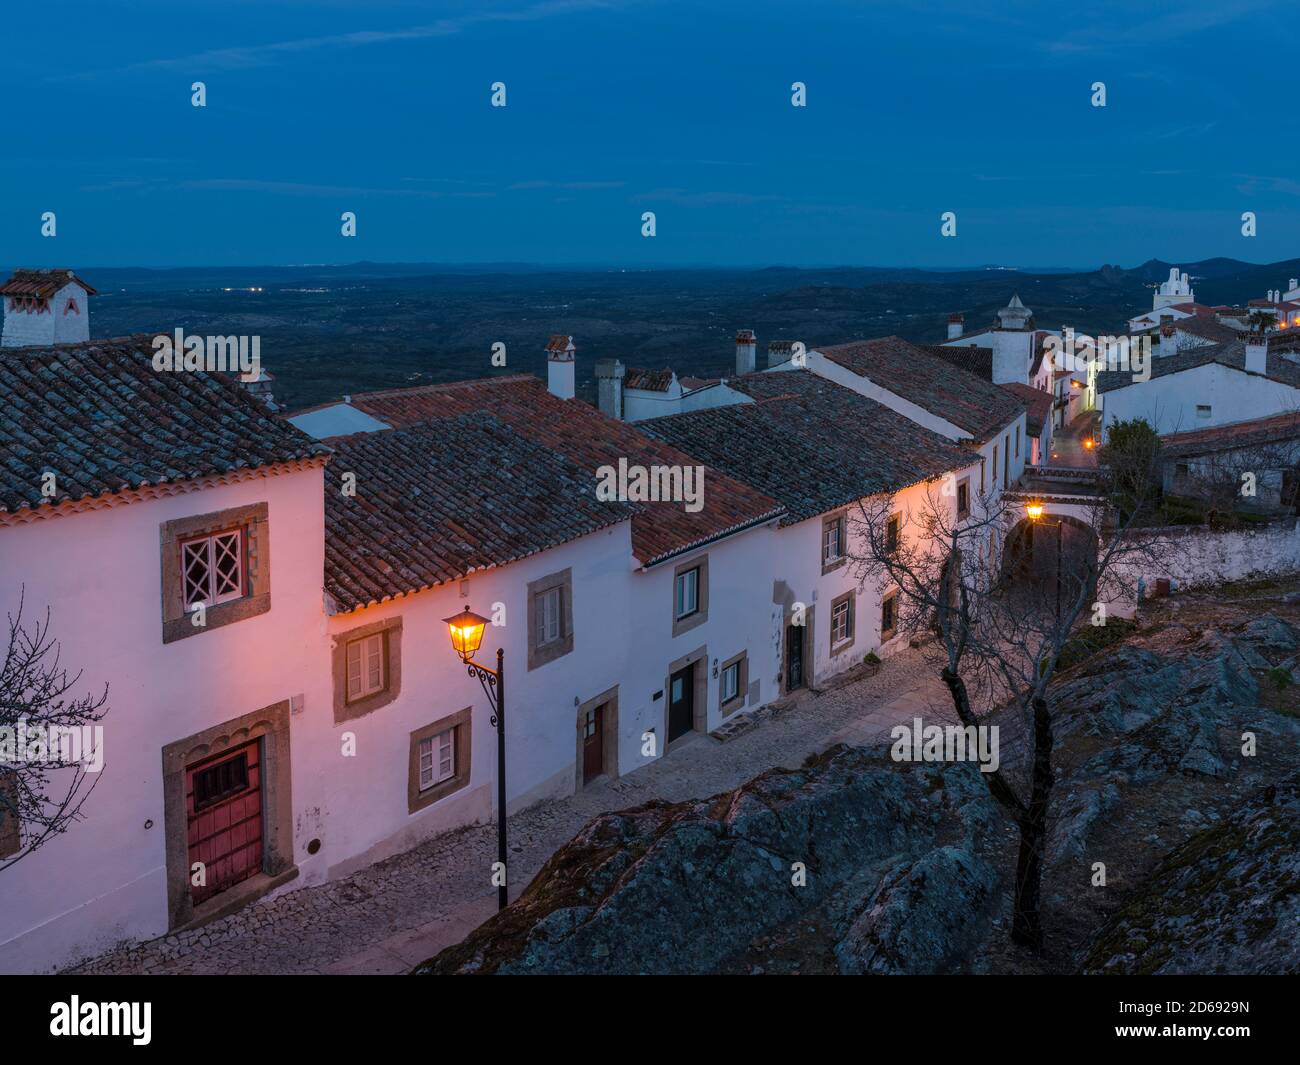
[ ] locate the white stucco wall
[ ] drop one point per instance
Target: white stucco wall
(1169, 403)
(1200, 556)
(54, 326)
(104, 879)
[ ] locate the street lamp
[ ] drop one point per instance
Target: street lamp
(1035, 512)
(466, 630)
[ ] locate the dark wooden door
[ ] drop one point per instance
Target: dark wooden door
(793, 657)
(223, 800)
(681, 702)
(593, 744)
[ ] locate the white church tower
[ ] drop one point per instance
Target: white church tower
(45, 307)
(1178, 289)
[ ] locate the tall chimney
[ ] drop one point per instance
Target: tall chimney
(779, 351)
(559, 366)
(44, 307)
(1168, 341)
(1256, 353)
(956, 323)
(609, 387)
(746, 352)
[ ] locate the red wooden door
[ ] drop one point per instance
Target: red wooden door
(223, 799)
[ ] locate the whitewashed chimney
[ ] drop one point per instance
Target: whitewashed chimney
(609, 387)
(1256, 354)
(560, 366)
(956, 324)
(45, 307)
(779, 351)
(746, 352)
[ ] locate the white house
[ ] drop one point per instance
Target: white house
(821, 448)
(45, 307)
(1199, 388)
(1017, 345)
(173, 528)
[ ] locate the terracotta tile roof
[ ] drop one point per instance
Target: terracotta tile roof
(1037, 403)
(1191, 308)
(41, 283)
(648, 380)
(965, 400)
(103, 420)
(1232, 355)
(444, 498)
(559, 342)
(1258, 431)
(1206, 329)
(590, 440)
(971, 358)
(811, 443)
(690, 384)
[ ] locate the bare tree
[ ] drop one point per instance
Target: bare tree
(41, 796)
(997, 598)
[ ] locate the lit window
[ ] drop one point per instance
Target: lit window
(730, 682)
(366, 672)
(212, 568)
(437, 759)
(686, 600)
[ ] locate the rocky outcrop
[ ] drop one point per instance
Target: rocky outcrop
(887, 868)
(1226, 901)
(682, 887)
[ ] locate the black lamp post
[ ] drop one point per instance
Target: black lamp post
(466, 630)
(1035, 511)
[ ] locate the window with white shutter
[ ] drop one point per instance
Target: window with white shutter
(437, 758)
(366, 666)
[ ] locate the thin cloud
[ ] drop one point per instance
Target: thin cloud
(256, 55)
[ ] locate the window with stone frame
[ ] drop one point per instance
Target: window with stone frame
(216, 570)
(963, 497)
(842, 622)
(893, 533)
(888, 616)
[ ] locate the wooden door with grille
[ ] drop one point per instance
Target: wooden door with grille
(223, 798)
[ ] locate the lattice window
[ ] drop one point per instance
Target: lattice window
(212, 568)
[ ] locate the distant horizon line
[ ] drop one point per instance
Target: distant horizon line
(507, 265)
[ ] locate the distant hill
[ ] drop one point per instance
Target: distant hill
(333, 329)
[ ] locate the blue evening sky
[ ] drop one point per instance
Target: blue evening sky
(616, 107)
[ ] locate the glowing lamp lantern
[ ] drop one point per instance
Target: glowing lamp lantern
(1034, 510)
(466, 630)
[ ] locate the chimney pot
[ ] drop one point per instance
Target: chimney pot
(609, 387)
(1256, 354)
(746, 352)
(559, 366)
(956, 325)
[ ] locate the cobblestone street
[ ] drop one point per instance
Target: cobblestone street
(392, 915)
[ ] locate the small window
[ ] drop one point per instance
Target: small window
(220, 781)
(1202, 410)
(731, 682)
(842, 620)
(1006, 460)
(833, 540)
(437, 758)
(367, 668)
(892, 533)
(995, 465)
(1017, 441)
(963, 498)
(212, 568)
(550, 616)
(686, 599)
(888, 616)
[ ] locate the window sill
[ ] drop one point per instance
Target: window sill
(216, 617)
(831, 565)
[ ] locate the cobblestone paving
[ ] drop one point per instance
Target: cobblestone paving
(394, 914)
